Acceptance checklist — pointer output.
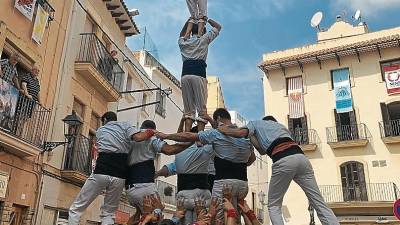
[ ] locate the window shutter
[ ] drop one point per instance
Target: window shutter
(354, 125)
(386, 119)
(291, 125)
(338, 126)
(304, 130)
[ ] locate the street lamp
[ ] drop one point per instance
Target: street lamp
(73, 122)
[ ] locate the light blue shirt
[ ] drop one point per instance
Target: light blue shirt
(145, 150)
(115, 137)
(196, 48)
(194, 160)
(267, 132)
(237, 150)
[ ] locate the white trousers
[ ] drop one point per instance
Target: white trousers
(138, 191)
(297, 168)
(189, 204)
(238, 186)
(197, 9)
(93, 187)
(194, 94)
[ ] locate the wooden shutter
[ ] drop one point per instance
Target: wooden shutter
(291, 125)
(338, 126)
(362, 183)
(354, 125)
(304, 127)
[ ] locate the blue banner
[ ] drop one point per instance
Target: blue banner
(341, 84)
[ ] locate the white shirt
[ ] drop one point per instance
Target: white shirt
(196, 48)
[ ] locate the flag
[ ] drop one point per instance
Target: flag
(342, 90)
(296, 100)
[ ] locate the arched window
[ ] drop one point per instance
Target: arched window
(353, 181)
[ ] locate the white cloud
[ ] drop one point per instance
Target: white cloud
(368, 7)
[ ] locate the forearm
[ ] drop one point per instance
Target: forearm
(236, 132)
(251, 159)
(181, 124)
(247, 221)
(141, 136)
(24, 88)
(16, 83)
(174, 149)
(183, 137)
(215, 24)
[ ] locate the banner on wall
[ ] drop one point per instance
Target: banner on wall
(295, 95)
(8, 104)
(343, 97)
(40, 25)
(392, 78)
(26, 7)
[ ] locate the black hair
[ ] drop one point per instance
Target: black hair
(109, 116)
(194, 129)
(222, 113)
(195, 29)
(270, 118)
(148, 124)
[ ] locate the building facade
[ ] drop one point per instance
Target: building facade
(215, 98)
(36, 32)
(343, 109)
(91, 77)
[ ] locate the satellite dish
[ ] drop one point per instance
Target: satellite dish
(316, 20)
(357, 16)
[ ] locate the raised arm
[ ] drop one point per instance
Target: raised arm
(174, 149)
(215, 24)
(180, 137)
(234, 132)
(184, 28)
(181, 125)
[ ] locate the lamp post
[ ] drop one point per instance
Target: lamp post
(73, 122)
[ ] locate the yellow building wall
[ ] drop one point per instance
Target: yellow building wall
(368, 92)
(215, 95)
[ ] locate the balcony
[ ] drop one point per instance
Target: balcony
(24, 132)
(96, 65)
(307, 139)
(78, 160)
(167, 193)
(390, 131)
(371, 198)
(347, 136)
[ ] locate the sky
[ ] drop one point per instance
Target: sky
(250, 29)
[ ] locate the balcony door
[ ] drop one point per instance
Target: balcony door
(346, 126)
(391, 118)
(299, 129)
(353, 182)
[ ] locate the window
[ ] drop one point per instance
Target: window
(339, 71)
(296, 82)
(160, 107)
(144, 101)
(395, 62)
(299, 129)
(346, 126)
(17, 215)
(62, 218)
(391, 119)
(353, 181)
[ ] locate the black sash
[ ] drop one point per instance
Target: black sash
(142, 172)
(225, 169)
(293, 150)
(192, 181)
(194, 67)
(112, 164)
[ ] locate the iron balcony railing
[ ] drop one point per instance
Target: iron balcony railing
(93, 51)
(390, 128)
(347, 133)
(167, 192)
(30, 121)
(371, 192)
(305, 136)
(79, 155)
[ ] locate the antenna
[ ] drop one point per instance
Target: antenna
(316, 20)
(357, 15)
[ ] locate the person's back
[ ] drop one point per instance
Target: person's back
(194, 160)
(112, 137)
